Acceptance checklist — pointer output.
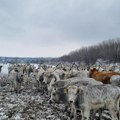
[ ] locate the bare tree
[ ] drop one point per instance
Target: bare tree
(107, 50)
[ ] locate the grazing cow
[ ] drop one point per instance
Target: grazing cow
(15, 78)
(39, 77)
(104, 77)
(94, 97)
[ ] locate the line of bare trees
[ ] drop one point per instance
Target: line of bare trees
(107, 50)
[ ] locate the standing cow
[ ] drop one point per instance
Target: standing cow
(94, 97)
(15, 78)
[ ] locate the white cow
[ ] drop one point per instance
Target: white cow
(93, 97)
(15, 78)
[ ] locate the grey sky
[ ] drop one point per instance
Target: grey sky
(51, 28)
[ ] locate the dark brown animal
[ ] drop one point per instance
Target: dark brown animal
(104, 77)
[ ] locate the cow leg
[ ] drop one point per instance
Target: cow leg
(114, 116)
(100, 113)
(73, 112)
(37, 81)
(32, 84)
(11, 86)
(40, 84)
(113, 113)
(119, 115)
(19, 87)
(92, 116)
(75, 115)
(86, 114)
(82, 114)
(15, 86)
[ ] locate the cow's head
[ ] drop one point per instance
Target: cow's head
(92, 71)
(52, 83)
(48, 76)
(54, 96)
(72, 92)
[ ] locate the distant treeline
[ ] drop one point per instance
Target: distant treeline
(13, 60)
(107, 50)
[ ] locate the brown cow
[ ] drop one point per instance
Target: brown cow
(104, 77)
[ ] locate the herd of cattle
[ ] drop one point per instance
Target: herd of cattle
(80, 88)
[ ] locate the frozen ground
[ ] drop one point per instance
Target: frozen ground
(29, 105)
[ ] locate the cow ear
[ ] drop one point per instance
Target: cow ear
(66, 90)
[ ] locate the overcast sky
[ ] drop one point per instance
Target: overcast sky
(51, 28)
